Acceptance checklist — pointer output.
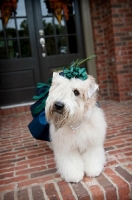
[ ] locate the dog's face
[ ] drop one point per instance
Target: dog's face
(69, 99)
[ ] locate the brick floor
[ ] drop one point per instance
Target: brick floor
(27, 167)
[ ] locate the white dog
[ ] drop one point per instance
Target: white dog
(77, 127)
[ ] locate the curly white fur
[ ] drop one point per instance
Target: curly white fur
(78, 131)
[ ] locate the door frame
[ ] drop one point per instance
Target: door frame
(88, 36)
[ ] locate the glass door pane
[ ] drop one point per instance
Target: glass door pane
(60, 37)
(15, 33)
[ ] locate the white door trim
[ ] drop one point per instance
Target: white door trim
(88, 36)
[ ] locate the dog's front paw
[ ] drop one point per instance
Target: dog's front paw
(94, 161)
(93, 171)
(74, 178)
(70, 166)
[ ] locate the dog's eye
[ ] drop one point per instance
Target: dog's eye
(76, 92)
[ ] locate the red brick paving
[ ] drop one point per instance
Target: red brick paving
(27, 167)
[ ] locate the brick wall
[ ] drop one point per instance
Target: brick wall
(112, 31)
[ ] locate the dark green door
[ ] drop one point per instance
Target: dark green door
(23, 60)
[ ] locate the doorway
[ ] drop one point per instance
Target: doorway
(33, 44)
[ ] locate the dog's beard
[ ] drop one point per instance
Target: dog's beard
(58, 119)
(65, 118)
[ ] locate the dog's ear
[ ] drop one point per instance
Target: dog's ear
(92, 89)
(55, 74)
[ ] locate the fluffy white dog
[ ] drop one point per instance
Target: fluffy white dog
(77, 127)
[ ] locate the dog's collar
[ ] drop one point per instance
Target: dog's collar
(77, 127)
(81, 122)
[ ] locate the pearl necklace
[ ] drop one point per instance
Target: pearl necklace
(75, 128)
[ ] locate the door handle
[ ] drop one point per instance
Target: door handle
(42, 42)
(41, 32)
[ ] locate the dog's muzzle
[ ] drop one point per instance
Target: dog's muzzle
(58, 107)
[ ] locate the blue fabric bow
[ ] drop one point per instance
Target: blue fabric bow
(39, 127)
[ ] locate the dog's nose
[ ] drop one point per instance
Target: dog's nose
(58, 106)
